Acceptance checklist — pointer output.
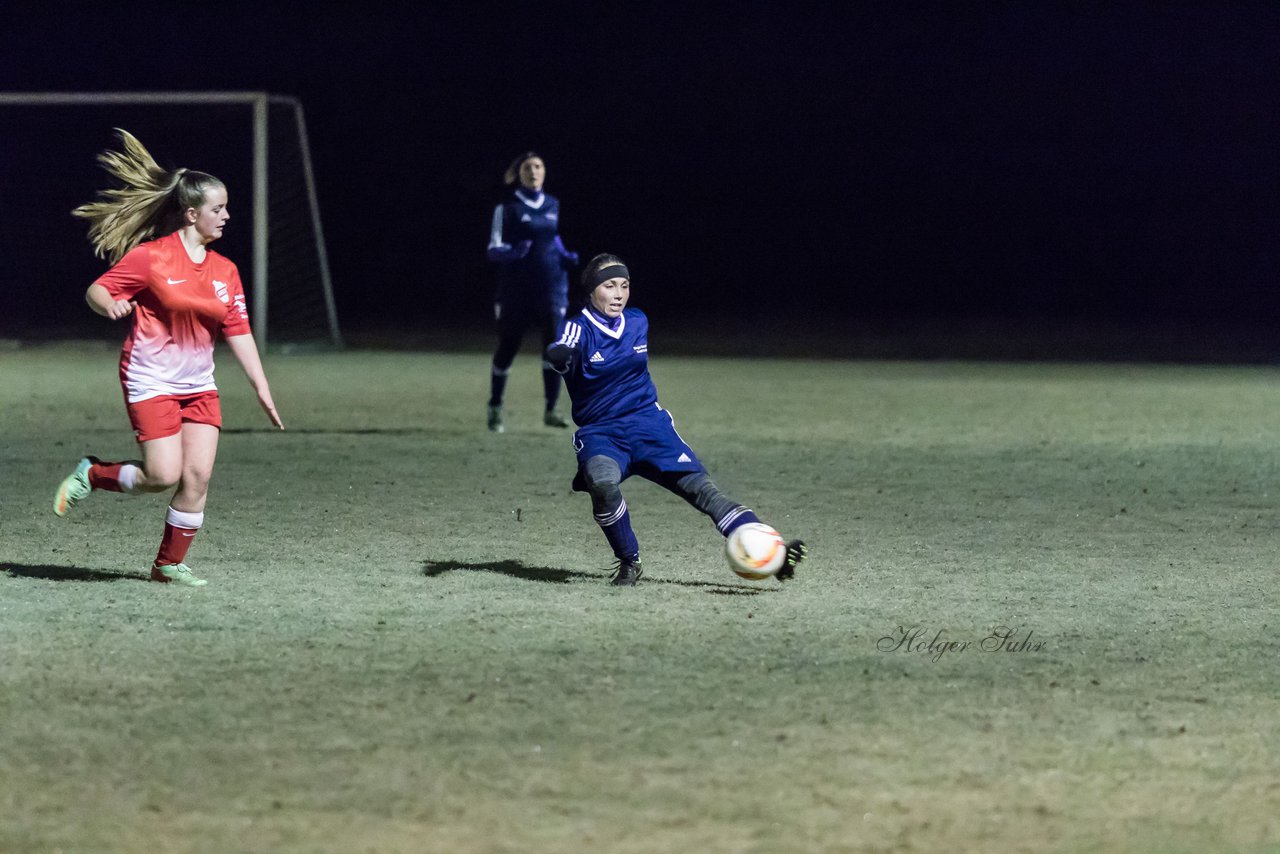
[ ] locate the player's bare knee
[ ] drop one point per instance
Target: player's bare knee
(195, 482)
(151, 485)
(159, 478)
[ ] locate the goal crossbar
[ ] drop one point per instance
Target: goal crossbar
(258, 102)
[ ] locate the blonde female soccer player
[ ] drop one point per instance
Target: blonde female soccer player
(156, 229)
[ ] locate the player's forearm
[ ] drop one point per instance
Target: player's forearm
(568, 257)
(502, 253)
(99, 299)
(246, 353)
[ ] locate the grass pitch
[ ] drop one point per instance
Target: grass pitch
(1040, 613)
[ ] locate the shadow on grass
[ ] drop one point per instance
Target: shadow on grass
(549, 575)
(68, 573)
(512, 568)
(337, 431)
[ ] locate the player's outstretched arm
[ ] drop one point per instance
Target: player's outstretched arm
(502, 253)
(101, 301)
(246, 353)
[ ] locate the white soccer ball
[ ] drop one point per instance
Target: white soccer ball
(755, 551)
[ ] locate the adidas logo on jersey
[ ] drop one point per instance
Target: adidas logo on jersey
(596, 357)
(526, 218)
(683, 458)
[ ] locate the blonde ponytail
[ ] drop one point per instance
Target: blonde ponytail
(149, 203)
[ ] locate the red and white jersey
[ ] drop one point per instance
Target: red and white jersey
(181, 308)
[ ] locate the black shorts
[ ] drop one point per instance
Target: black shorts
(516, 319)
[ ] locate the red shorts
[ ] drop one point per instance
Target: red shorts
(157, 417)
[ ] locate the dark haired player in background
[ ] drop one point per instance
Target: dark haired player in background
(533, 287)
(603, 354)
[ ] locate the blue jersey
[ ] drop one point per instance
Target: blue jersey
(531, 258)
(608, 376)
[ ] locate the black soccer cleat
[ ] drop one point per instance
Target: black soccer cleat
(495, 419)
(796, 552)
(627, 573)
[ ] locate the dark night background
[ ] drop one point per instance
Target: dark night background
(862, 168)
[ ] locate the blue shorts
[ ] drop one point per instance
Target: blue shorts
(644, 443)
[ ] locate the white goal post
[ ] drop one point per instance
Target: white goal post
(259, 104)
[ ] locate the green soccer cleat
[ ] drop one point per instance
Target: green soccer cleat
(176, 573)
(495, 420)
(554, 419)
(74, 489)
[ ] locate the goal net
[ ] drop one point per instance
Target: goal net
(254, 142)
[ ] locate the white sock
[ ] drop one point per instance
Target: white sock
(128, 478)
(182, 519)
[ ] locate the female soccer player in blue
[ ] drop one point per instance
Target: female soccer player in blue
(603, 355)
(533, 287)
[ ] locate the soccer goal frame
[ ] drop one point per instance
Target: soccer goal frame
(258, 103)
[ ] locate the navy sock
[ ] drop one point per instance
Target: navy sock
(735, 518)
(550, 387)
(617, 530)
(498, 385)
